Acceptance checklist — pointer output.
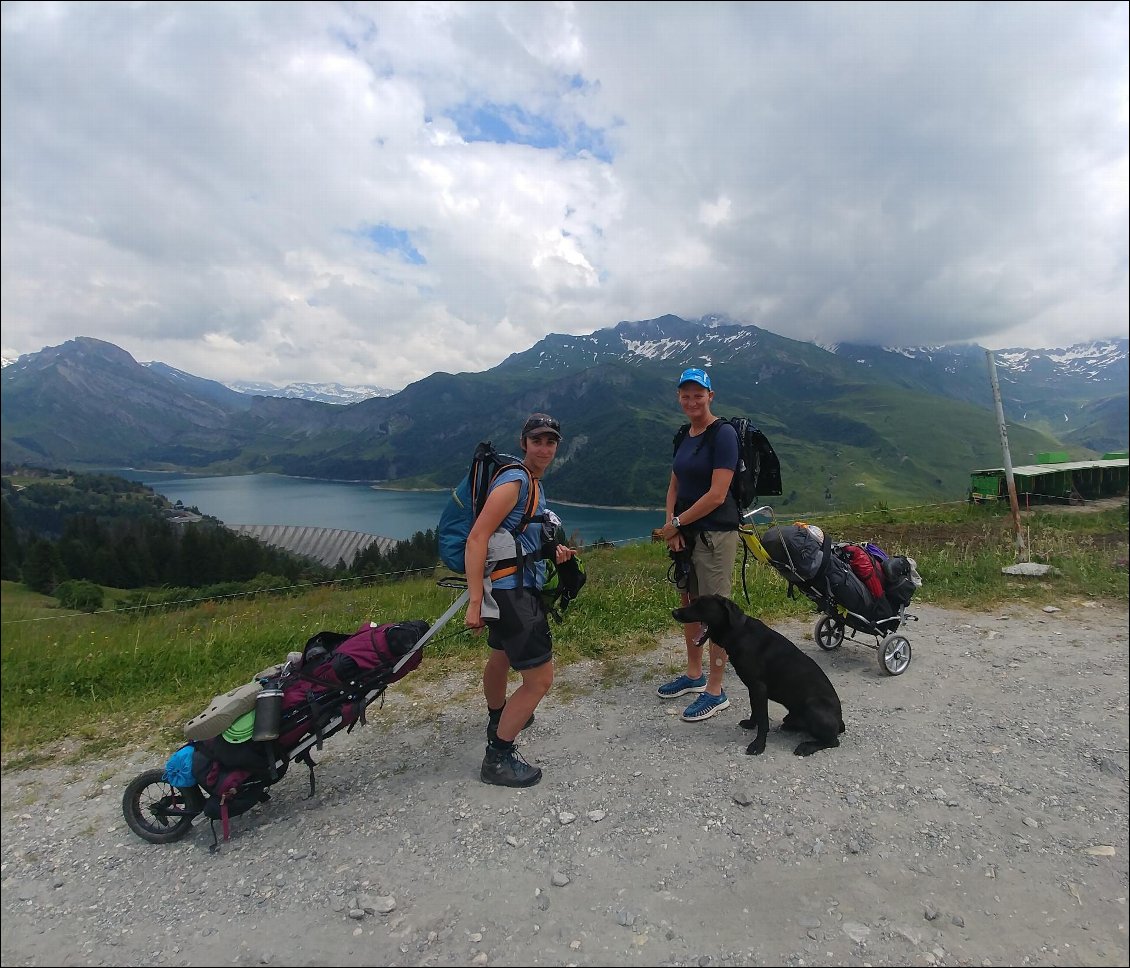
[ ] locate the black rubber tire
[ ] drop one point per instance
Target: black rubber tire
(829, 633)
(157, 811)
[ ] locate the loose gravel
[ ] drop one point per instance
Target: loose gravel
(975, 814)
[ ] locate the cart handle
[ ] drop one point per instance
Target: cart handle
(439, 623)
(751, 515)
(753, 543)
(749, 535)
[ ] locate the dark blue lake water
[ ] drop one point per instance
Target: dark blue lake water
(272, 499)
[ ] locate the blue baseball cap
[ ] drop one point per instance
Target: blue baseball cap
(694, 375)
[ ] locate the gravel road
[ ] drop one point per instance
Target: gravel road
(975, 814)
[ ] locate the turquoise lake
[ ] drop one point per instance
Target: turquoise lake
(349, 506)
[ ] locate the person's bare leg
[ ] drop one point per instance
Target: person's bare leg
(717, 667)
(519, 707)
(694, 654)
(495, 678)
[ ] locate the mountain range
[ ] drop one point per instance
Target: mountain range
(854, 426)
(322, 392)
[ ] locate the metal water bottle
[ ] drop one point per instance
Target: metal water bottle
(268, 713)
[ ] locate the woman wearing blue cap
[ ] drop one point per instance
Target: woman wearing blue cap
(702, 519)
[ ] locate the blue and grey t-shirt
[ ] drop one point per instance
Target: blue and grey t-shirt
(530, 539)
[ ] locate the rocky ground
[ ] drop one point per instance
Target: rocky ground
(975, 814)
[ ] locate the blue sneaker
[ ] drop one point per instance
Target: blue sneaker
(705, 706)
(681, 686)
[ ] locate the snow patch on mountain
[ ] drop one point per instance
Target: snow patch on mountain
(1089, 360)
(655, 349)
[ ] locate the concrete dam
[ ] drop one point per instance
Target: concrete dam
(326, 545)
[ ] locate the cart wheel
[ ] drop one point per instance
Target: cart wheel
(894, 654)
(829, 633)
(157, 811)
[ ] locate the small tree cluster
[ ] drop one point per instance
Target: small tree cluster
(80, 595)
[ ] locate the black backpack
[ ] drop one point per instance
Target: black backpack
(563, 583)
(758, 470)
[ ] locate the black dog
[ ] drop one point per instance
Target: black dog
(771, 667)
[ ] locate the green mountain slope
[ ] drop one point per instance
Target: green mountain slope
(849, 433)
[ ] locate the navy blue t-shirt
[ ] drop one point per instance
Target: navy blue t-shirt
(694, 466)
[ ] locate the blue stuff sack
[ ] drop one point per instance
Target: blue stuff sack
(178, 770)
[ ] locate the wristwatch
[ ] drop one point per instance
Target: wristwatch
(675, 522)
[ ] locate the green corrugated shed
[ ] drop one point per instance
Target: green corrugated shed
(1071, 481)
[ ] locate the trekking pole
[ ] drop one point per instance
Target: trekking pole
(440, 623)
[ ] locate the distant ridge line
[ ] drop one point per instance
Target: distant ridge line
(326, 545)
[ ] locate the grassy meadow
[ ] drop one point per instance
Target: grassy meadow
(75, 684)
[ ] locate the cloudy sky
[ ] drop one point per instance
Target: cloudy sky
(370, 192)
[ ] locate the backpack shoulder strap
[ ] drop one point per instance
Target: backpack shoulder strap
(706, 438)
(709, 434)
(533, 492)
(532, 499)
(680, 436)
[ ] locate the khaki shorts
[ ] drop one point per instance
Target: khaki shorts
(712, 560)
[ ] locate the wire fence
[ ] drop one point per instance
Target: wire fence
(401, 574)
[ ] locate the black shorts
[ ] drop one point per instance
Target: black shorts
(521, 629)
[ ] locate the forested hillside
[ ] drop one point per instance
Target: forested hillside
(119, 533)
(59, 527)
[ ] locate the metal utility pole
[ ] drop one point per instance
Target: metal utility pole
(1007, 456)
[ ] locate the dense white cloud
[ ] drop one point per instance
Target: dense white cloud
(367, 193)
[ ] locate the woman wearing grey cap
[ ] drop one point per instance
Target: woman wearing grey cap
(519, 636)
(702, 519)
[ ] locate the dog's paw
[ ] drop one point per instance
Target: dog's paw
(755, 749)
(748, 724)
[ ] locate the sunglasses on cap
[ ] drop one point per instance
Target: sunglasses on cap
(534, 424)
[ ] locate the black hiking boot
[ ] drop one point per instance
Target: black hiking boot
(508, 768)
(492, 728)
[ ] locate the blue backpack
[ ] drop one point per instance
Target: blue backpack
(467, 500)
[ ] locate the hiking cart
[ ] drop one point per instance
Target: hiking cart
(807, 559)
(314, 701)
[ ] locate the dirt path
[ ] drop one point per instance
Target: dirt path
(976, 814)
